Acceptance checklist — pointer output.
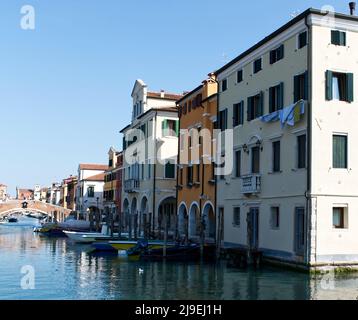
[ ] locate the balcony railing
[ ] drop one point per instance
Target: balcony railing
(251, 184)
(131, 185)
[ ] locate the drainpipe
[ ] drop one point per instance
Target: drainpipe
(154, 171)
(309, 209)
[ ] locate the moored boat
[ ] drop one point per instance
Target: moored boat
(127, 245)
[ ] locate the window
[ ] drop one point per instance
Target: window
(181, 176)
(110, 163)
(236, 217)
(339, 86)
(189, 176)
(238, 164)
(340, 218)
(223, 119)
(275, 218)
(301, 152)
(255, 160)
(170, 128)
(240, 76)
(276, 150)
(197, 173)
(276, 97)
(90, 192)
(238, 118)
(169, 170)
(302, 40)
(340, 152)
(257, 65)
(255, 106)
(277, 54)
(338, 38)
(300, 87)
(224, 85)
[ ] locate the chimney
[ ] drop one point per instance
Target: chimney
(162, 93)
(352, 7)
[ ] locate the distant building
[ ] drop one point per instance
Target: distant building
(68, 193)
(24, 194)
(112, 184)
(89, 194)
(3, 192)
(37, 193)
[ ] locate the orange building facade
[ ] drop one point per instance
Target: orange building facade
(196, 195)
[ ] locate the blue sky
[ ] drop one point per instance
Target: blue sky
(65, 87)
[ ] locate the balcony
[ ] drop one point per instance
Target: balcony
(251, 184)
(131, 185)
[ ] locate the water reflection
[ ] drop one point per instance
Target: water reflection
(67, 271)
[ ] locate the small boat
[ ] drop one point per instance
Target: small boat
(89, 237)
(103, 247)
(128, 245)
(13, 220)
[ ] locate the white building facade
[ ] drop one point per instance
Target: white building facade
(150, 148)
(89, 195)
(292, 106)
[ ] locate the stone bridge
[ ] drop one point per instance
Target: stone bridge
(24, 206)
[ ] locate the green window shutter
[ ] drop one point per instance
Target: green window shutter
(340, 152)
(281, 51)
(296, 94)
(281, 96)
(329, 88)
(241, 121)
(342, 38)
(261, 105)
(249, 109)
(350, 87)
(305, 94)
(271, 90)
(177, 127)
(335, 37)
(235, 117)
(165, 127)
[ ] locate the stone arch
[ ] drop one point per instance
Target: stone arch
(167, 212)
(209, 219)
(182, 219)
(194, 220)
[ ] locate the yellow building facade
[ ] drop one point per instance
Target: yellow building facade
(196, 195)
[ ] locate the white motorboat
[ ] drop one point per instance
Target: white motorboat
(83, 237)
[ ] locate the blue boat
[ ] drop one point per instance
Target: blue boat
(103, 247)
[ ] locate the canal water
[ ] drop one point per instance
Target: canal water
(63, 270)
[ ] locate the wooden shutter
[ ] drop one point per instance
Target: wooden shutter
(272, 57)
(281, 52)
(296, 94)
(335, 37)
(350, 87)
(305, 93)
(165, 127)
(281, 96)
(271, 102)
(342, 38)
(177, 127)
(329, 88)
(241, 112)
(249, 108)
(261, 104)
(235, 118)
